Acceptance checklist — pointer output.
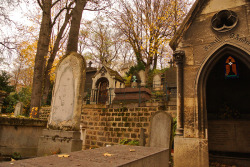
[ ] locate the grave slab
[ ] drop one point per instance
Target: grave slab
(119, 155)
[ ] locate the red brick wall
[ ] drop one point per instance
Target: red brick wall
(106, 126)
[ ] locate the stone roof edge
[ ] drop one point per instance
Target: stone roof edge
(110, 72)
(197, 6)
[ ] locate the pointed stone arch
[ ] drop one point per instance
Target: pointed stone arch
(202, 76)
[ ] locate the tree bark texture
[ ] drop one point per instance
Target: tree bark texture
(47, 82)
(42, 51)
(75, 26)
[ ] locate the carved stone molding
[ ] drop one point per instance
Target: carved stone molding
(179, 56)
(224, 21)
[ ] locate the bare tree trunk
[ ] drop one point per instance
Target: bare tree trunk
(42, 51)
(155, 61)
(75, 26)
(147, 67)
(47, 83)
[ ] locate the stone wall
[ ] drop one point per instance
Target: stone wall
(102, 126)
(20, 135)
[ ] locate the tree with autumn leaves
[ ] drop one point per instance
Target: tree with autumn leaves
(147, 26)
(72, 9)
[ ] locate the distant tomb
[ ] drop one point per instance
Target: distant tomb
(157, 82)
(141, 74)
(18, 109)
(105, 81)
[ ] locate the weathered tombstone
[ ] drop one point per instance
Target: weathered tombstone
(157, 82)
(160, 131)
(18, 109)
(63, 133)
(141, 73)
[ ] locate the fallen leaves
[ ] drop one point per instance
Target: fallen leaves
(132, 150)
(63, 156)
(107, 155)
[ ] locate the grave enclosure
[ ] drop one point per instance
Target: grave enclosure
(211, 52)
(100, 125)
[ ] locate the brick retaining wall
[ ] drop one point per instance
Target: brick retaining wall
(105, 126)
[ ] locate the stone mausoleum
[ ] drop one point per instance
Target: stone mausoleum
(211, 50)
(104, 83)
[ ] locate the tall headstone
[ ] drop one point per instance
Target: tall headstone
(63, 133)
(141, 73)
(157, 82)
(160, 131)
(18, 109)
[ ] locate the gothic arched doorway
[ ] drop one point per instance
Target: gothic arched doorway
(224, 102)
(102, 85)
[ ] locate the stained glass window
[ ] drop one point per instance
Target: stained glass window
(231, 70)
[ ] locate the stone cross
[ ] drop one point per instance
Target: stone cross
(90, 63)
(171, 62)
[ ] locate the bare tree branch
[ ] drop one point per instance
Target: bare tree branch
(40, 4)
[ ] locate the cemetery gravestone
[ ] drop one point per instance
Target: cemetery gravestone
(141, 73)
(18, 109)
(160, 131)
(157, 82)
(63, 133)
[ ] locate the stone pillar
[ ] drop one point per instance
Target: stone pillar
(179, 58)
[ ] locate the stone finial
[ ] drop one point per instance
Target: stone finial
(179, 56)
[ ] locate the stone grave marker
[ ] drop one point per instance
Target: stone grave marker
(63, 133)
(18, 109)
(141, 73)
(160, 131)
(157, 82)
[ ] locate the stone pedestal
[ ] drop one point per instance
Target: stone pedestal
(190, 152)
(58, 141)
(134, 84)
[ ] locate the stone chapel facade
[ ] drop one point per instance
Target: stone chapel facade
(211, 50)
(104, 83)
